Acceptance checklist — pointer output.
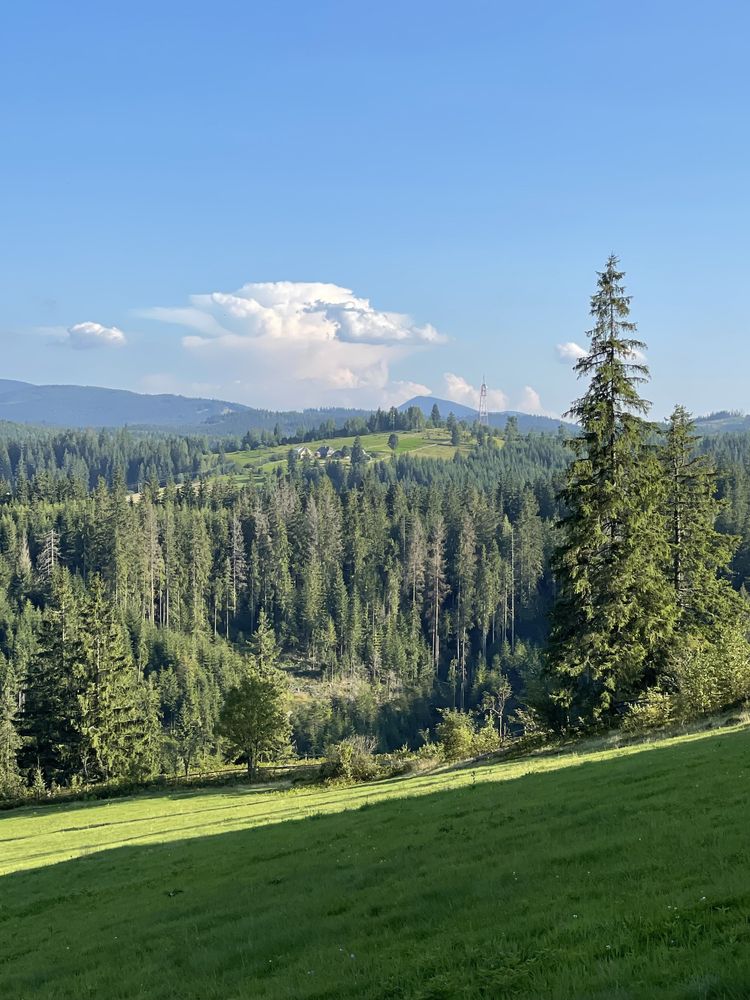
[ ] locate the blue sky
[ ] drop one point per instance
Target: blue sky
(298, 203)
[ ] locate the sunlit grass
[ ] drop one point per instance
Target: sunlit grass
(617, 873)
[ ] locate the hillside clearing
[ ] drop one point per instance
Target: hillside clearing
(430, 443)
(617, 874)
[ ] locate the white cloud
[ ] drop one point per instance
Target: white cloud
(531, 403)
(83, 336)
(294, 310)
(459, 390)
(399, 392)
(570, 352)
(295, 342)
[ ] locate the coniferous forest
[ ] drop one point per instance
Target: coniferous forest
(154, 611)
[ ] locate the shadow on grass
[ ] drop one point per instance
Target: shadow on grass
(567, 883)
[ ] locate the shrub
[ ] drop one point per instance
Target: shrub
(705, 677)
(11, 788)
(486, 739)
(654, 710)
(352, 759)
(711, 676)
(431, 753)
(38, 786)
(456, 734)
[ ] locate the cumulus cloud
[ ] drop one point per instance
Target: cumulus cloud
(530, 402)
(297, 341)
(570, 352)
(400, 392)
(83, 336)
(459, 390)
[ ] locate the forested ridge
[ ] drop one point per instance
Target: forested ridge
(66, 464)
(540, 581)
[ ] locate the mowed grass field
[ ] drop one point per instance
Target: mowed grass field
(612, 874)
(432, 443)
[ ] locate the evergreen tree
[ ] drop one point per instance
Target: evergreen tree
(614, 613)
(416, 558)
(50, 710)
(108, 721)
(263, 645)
(358, 456)
(465, 575)
(188, 738)
(10, 740)
(437, 586)
(530, 548)
(700, 555)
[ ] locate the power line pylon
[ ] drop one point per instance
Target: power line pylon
(483, 416)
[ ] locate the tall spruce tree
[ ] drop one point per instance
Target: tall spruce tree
(614, 612)
(50, 711)
(700, 555)
(109, 719)
(263, 645)
(10, 741)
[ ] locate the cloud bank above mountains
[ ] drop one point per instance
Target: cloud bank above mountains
(290, 344)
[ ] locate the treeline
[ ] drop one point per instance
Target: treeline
(58, 464)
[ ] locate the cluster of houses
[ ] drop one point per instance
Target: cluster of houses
(325, 451)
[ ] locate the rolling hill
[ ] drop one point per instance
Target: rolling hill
(597, 873)
(94, 406)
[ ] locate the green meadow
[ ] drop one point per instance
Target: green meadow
(430, 443)
(614, 873)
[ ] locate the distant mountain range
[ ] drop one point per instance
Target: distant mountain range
(92, 406)
(526, 421)
(95, 406)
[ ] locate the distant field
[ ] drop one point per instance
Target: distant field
(614, 874)
(433, 443)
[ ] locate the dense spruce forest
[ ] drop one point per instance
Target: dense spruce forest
(540, 581)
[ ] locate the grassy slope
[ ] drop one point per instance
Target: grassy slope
(428, 444)
(616, 874)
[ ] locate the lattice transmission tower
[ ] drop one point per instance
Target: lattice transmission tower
(483, 416)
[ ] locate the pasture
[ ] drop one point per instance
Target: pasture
(617, 873)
